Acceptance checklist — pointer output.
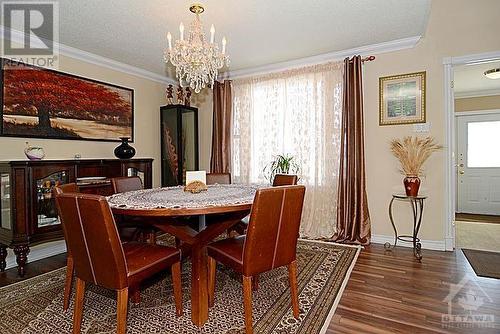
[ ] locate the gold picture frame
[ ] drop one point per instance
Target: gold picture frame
(402, 99)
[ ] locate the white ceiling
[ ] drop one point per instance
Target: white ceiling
(259, 32)
(471, 81)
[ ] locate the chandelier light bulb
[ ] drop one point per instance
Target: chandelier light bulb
(196, 60)
(181, 29)
(224, 42)
(212, 34)
(169, 39)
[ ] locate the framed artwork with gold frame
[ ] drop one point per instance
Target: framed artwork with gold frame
(402, 99)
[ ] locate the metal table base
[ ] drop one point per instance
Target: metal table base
(417, 204)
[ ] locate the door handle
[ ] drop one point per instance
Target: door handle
(462, 172)
(461, 165)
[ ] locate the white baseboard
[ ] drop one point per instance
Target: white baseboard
(439, 245)
(38, 252)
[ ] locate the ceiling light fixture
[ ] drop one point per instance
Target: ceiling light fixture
(197, 62)
(494, 73)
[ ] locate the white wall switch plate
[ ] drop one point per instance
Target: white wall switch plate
(422, 127)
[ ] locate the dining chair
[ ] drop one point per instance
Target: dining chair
(100, 258)
(270, 242)
(278, 180)
(124, 236)
(220, 178)
(68, 281)
(284, 180)
(130, 183)
(224, 178)
(130, 229)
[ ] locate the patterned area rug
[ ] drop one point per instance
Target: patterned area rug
(35, 305)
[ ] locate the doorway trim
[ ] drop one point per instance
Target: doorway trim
(449, 145)
(477, 112)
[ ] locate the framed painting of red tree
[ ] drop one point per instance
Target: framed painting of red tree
(42, 103)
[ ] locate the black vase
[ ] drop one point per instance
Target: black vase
(124, 150)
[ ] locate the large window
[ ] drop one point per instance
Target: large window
(482, 144)
(295, 112)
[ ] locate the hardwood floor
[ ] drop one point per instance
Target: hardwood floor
(33, 269)
(393, 293)
(387, 293)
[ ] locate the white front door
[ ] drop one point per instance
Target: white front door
(478, 163)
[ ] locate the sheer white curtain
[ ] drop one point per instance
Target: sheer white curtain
(296, 112)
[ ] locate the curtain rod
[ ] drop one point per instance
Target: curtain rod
(369, 58)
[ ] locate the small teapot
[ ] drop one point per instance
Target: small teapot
(34, 153)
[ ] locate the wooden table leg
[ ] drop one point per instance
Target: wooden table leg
(194, 243)
(199, 285)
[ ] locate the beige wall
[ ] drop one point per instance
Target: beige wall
(477, 103)
(455, 28)
(148, 97)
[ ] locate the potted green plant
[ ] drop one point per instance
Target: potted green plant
(282, 164)
(412, 153)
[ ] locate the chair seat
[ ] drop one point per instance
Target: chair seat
(228, 251)
(144, 260)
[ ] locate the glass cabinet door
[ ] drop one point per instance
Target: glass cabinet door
(189, 142)
(5, 206)
(179, 143)
(169, 148)
(46, 205)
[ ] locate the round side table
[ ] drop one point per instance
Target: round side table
(417, 205)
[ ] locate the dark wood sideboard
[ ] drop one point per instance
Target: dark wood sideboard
(28, 212)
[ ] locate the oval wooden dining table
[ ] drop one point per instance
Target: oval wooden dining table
(169, 209)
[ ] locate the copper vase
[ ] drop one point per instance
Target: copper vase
(412, 184)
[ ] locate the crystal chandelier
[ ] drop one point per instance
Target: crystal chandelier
(196, 62)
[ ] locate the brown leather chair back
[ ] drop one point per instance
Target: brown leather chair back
(66, 188)
(284, 180)
(220, 178)
(93, 239)
(61, 189)
(272, 234)
(126, 183)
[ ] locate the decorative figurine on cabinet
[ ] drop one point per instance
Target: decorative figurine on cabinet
(180, 95)
(170, 94)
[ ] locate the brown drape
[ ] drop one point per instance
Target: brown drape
(220, 160)
(353, 218)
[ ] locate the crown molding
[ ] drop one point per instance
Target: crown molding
(477, 93)
(68, 51)
(372, 49)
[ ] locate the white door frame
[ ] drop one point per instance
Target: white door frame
(449, 145)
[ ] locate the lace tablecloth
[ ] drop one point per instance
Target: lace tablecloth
(177, 198)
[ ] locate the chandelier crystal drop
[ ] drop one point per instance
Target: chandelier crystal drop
(197, 62)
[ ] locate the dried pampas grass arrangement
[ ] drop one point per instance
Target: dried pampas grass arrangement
(412, 152)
